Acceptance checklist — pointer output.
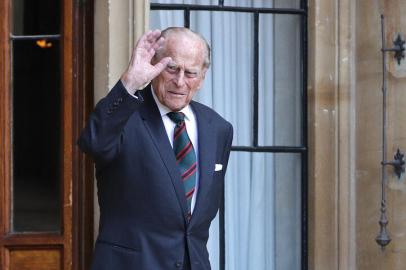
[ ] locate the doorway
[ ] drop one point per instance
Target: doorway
(46, 85)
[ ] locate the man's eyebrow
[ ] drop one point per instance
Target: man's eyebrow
(189, 70)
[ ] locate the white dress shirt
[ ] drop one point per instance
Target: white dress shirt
(191, 128)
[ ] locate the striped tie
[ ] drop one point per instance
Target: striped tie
(185, 156)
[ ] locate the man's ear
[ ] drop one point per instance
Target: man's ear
(203, 77)
(204, 73)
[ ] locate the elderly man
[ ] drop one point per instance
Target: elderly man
(160, 158)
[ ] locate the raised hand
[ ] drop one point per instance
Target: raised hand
(141, 71)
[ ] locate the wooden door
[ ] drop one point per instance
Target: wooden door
(45, 95)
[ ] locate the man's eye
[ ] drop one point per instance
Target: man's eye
(191, 74)
(171, 68)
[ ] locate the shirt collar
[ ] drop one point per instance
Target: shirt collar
(163, 110)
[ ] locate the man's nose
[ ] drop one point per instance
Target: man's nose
(180, 79)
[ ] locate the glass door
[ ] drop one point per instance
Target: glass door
(43, 218)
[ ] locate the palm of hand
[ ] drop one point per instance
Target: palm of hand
(140, 70)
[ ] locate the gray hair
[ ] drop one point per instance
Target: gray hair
(171, 30)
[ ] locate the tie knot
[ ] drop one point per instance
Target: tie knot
(176, 117)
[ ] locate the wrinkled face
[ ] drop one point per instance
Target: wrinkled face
(184, 75)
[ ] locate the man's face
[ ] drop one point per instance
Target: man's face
(184, 75)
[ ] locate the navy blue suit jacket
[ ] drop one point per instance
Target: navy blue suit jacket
(143, 210)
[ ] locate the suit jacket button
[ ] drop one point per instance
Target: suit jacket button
(178, 265)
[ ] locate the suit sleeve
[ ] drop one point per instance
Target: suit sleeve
(103, 134)
(227, 148)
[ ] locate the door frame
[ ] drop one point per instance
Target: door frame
(83, 102)
(76, 238)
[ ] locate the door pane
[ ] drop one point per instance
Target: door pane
(36, 135)
(37, 17)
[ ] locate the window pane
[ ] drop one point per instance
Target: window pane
(196, 2)
(166, 18)
(238, 3)
(213, 244)
(36, 136)
(36, 17)
(287, 3)
(228, 87)
(264, 3)
(280, 80)
(263, 211)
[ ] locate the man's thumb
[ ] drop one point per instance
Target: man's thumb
(161, 65)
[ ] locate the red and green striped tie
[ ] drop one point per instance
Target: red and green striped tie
(185, 156)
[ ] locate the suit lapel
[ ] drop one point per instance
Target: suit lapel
(207, 150)
(154, 125)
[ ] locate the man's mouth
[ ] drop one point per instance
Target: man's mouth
(176, 93)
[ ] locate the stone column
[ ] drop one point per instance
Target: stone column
(332, 89)
(118, 24)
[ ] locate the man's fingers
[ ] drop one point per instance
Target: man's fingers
(161, 65)
(153, 36)
(148, 39)
(141, 43)
(159, 43)
(156, 46)
(144, 39)
(150, 42)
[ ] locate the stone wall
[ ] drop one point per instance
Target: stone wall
(369, 134)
